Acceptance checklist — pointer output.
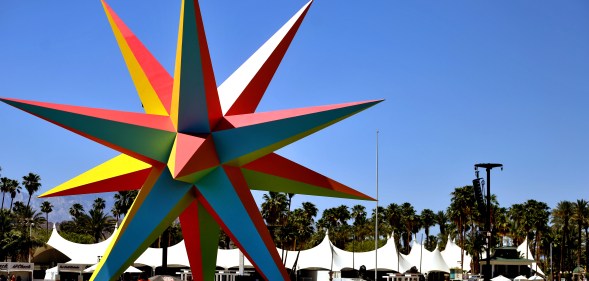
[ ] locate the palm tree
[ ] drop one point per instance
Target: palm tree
(502, 223)
(310, 211)
(561, 216)
(14, 188)
(383, 226)
(115, 211)
(459, 211)
(518, 223)
(96, 223)
(428, 219)
(274, 210)
(123, 202)
(358, 214)
(360, 220)
(336, 221)
(586, 226)
(410, 221)
(46, 208)
(580, 215)
(302, 223)
(442, 221)
(99, 223)
(77, 213)
(537, 216)
(26, 219)
(4, 188)
(76, 210)
(290, 196)
(99, 204)
(393, 216)
(274, 207)
(31, 183)
(275, 213)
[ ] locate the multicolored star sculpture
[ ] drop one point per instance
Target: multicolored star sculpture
(198, 149)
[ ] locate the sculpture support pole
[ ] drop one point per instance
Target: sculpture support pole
(165, 244)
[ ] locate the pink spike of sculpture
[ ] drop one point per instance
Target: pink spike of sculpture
(198, 150)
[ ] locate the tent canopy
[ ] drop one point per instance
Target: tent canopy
(131, 269)
(500, 278)
(324, 256)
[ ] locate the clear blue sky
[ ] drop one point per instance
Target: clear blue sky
(464, 81)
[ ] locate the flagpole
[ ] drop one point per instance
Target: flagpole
(376, 216)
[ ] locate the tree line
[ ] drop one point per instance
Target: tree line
(564, 229)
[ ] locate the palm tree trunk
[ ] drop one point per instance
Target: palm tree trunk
(566, 248)
(47, 223)
(561, 256)
(294, 267)
(586, 246)
(537, 249)
(29, 201)
(426, 235)
(475, 256)
(580, 245)
(461, 229)
(282, 248)
(293, 248)
(406, 243)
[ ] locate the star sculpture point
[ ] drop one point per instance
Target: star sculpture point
(198, 150)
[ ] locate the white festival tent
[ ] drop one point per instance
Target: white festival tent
(317, 258)
(324, 256)
(152, 257)
(388, 258)
(229, 258)
(177, 257)
(451, 255)
(327, 256)
(131, 269)
(500, 278)
(51, 273)
(437, 262)
(78, 253)
(524, 249)
(427, 261)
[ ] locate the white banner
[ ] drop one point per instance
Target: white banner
(16, 266)
(71, 267)
(21, 266)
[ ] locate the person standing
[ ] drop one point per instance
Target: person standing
(143, 277)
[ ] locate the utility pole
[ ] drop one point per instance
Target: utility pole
(488, 166)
